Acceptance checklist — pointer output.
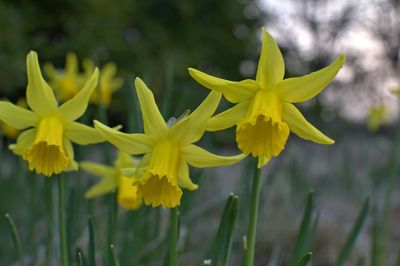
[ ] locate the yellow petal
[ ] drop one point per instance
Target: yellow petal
(184, 178)
(129, 143)
(128, 171)
(271, 67)
(127, 194)
(97, 169)
(233, 91)
(301, 127)
(106, 185)
(75, 107)
(229, 117)
(262, 160)
(69, 150)
(24, 141)
(17, 117)
(191, 128)
(303, 88)
(71, 64)
(199, 157)
(124, 160)
(153, 121)
(82, 134)
(39, 95)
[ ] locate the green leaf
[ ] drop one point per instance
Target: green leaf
(305, 259)
(303, 235)
(220, 248)
(348, 246)
(15, 237)
(80, 258)
(114, 258)
(91, 243)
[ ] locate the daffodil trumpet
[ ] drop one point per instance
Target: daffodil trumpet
(264, 112)
(167, 150)
(49, 129)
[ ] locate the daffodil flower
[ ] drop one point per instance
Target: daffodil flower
(67, 82)
(264, 113)
(378, 115)
(167, 149)
(112, 179)
(48, 128)
(108, 83)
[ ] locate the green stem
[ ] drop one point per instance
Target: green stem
(62, 220)
(112, 220)
(173, 252)
(253, 214)
(15, 236)
(388, 200)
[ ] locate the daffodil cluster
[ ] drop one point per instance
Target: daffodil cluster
(264, 114)
(49, 129)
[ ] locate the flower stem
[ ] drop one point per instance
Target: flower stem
(62, 220)
(253, 214)
(173, 252)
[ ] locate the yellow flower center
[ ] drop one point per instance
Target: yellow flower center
(262, 132)
(159, 185)
(46, 155)
(127, 193)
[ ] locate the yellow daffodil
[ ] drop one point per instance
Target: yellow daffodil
(108, 83)
(264, 113)
(7, 130)
(113, 179)
(48, 128)
(167, 149)
(377, 116)
(68, 82)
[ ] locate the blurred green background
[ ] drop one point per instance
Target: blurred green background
(158, 40)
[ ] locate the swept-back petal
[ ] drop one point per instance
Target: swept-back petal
(17, 117)
(97, 169)
(130, 143)
(191, 128)
(229, 117)
(24, 141)
(271, 67)
(301, 127)
(75, 107)
(233, 91)
(82, 134)
(184, 178)
(69, 150)
(106, 185)
(303, 88)
(153, 121)
(39, 95)
(199, 157)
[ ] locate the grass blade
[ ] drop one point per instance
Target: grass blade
(345, 252)
(302, 236)
(305, 259)
(91, 243)
(220, 248)
(114, 256)
(15, 237)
